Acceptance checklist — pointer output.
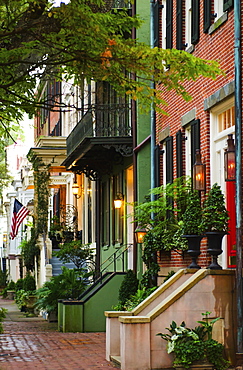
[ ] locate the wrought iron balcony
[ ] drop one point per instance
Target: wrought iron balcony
(103, 121)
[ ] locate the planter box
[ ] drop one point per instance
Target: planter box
(30, 303)
(11, 294)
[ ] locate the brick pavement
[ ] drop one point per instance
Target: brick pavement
(33, 343)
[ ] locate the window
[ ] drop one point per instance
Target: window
(226, 119)
(192, 133)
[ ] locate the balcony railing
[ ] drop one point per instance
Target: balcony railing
(111, 120)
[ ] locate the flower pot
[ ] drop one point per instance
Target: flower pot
(215, 247)
(193, 249)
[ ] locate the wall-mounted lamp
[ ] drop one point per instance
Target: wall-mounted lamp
(140, 234)
(199, 173)
(118, 200)
(75, 188)
(229, 160)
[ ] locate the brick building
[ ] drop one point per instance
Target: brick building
(205, 29)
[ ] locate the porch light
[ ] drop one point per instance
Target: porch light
(75, 188)
(118, 200)
(140, 234)
(199, 173)
(229, 160)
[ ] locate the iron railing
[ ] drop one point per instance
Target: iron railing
(107, 120)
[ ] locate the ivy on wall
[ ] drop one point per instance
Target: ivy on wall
(42, 193)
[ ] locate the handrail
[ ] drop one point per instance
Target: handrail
(112, 259)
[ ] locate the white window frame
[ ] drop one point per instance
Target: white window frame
(188, 150)
(218, 9)
(217, 141)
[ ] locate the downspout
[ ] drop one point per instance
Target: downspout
(238, 134)
(134, 138)
(152, 112)
(152, 128)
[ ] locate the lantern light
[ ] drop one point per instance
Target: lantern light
(199, 173)
(229, 160)
(118, 200)
(75, 188)
(140, 234)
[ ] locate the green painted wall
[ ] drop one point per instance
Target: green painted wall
(87, 315)
(103, 300)
(143, 126)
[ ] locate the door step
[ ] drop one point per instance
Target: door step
(116, 361)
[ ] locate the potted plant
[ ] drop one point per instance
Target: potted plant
(193, 348)
(55, 232)
(192, 227)
(215, 222)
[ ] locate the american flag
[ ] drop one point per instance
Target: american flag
(19, 213)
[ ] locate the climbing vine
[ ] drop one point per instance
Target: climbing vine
(42, 192)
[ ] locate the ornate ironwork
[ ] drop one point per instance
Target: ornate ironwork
(124, 150)
(69, 218)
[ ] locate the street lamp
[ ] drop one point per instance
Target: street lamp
(199, 173)
(229, 160)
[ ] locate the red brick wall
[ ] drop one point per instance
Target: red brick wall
(217, 46)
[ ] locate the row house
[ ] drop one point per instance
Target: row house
(205, 29)
(83, 139)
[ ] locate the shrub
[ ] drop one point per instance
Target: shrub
(3, 312)
(11, 285)
(3, 278)
(70, 284)
(29, 283)
(19, 284)
(75, 252)
(129, 286)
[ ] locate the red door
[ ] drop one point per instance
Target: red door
(231, 237)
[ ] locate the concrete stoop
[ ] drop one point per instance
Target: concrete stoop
(116, 361)
(131, 339)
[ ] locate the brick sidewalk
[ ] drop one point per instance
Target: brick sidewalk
(33, 343)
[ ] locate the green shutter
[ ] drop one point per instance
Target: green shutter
(179, 162)
(179, 29)
(169, 24)
(157, 165)
(156, 22)
(195, 21)
(207, 15)
(169, 159)
(195, 140)
(228, 4)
